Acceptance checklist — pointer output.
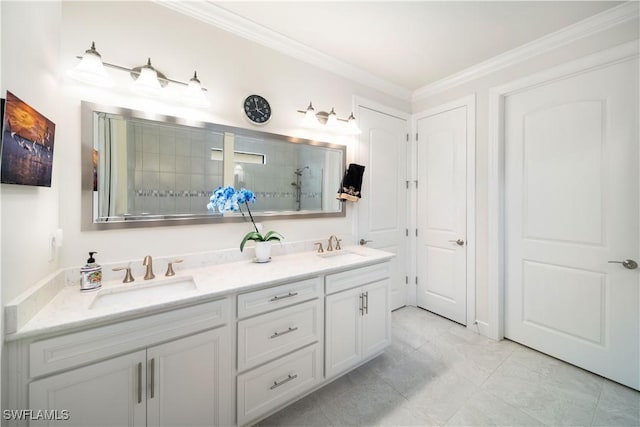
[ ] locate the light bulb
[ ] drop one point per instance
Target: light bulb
(352, 126)
(91, 70)
(332, 120)
(310, 120)
(194, 95)
(147, 82)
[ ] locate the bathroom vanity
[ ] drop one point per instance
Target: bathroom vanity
(224, 344)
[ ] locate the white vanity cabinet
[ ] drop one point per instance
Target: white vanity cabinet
(358, 316)
(279, 346)
(184, 379)
(231, 358)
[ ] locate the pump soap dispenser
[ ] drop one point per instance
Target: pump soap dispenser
(91, 275)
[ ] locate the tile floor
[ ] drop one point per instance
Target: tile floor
(438, 373)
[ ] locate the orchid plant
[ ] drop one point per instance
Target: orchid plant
(228, 199)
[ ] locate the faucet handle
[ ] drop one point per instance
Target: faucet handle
(320, 250)
(329, 245)
(128, 278)
(338, 244)
(170, 271)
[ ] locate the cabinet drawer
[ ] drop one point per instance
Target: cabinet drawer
(274, 384)
(67, 351)
(273, 334)
(258, 302)
(360, 276)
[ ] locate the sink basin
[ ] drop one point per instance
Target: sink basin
(135, 293)
(340, 254)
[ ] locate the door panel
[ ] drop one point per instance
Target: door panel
(188, 381)
(572, 205)
(376, 325)
(105, 393)
(382, 211)
(442, 213)
(343, 329)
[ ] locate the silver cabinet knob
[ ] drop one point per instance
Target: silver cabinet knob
(459, 242)
(364, 242)
(627, 263)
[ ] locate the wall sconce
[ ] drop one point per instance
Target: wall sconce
(329, 121)
(148, 81)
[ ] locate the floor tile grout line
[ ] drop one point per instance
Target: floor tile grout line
(595, 409)
(481, 386)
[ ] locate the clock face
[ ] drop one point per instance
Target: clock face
(257, 109)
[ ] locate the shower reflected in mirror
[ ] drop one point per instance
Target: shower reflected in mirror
(298, 186)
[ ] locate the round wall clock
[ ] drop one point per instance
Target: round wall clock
(257, 109)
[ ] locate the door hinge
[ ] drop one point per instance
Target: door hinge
(416, 232)
(406, 232)
(416, 136)
(416, 280)
(407, 137)
(416, 183)
(406, 280)
(407, 184)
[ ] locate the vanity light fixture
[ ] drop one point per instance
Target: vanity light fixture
(329, 121)
(90, 69)
(148, 80)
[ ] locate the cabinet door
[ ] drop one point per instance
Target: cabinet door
(189, 381)
(376, 325)
(343, 331)
(109, 393)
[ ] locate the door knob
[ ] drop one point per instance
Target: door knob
(459, 242)
(627, 263)
(364, 242)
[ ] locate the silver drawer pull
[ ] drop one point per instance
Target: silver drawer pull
(139, 382)
(277, 384)
(279, 334)
(279, 297)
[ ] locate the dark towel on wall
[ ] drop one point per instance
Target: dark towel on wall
(351, 186)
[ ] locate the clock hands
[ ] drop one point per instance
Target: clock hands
(256, 108)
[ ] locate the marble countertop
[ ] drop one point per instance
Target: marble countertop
(71, 309)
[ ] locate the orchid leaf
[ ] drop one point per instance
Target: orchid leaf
(272, 235)
(252, 235)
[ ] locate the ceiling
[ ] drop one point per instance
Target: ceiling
(402, 46)
(413, 44)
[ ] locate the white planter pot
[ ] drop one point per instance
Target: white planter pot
(263, 251)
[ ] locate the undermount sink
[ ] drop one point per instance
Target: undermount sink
(137, 293)
(342, 253)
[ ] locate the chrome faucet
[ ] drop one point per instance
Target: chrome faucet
(330, 246)
(148, 262)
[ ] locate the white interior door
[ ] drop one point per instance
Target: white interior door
(571, 207)
(382, 211)
(442, 213)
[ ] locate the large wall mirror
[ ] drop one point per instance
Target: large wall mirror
(146, 170)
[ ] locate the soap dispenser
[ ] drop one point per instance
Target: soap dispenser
(91, 275)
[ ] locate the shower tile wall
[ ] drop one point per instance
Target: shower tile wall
(172, 167)
(274, 183)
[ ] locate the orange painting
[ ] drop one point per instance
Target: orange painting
(27, 144)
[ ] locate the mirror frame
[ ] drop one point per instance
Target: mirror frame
(163, 220)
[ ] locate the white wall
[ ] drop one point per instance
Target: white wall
(481, 87)
(30, 52)
(2, 365)
(126, 33)
(29, 40)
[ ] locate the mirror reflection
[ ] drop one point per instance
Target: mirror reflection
(141, 170)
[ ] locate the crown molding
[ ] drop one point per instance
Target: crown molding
(228, 21)
(607, 19)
